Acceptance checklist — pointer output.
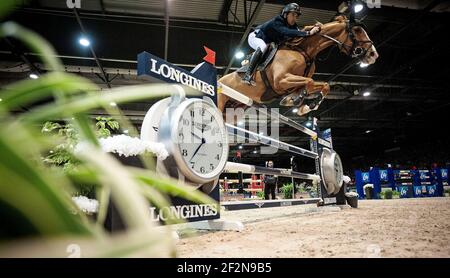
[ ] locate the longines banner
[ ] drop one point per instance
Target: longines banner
(157, 69)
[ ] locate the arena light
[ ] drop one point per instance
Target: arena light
(366, 94)
(84, 42)
(363, 65)
(33, 76)
(358, 7)
(239, 55)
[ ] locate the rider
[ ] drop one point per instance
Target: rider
(278, 29)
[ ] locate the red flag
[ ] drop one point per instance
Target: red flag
(210, 56)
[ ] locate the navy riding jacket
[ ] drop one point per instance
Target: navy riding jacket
(277, 30)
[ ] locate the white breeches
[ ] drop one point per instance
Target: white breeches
(255, 42)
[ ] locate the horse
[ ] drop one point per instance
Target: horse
(289, 73)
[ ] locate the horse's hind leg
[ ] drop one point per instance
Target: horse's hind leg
(313, 104)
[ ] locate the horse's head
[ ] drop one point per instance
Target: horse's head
(357, 43)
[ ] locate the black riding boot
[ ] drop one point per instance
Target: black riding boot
(251, 67)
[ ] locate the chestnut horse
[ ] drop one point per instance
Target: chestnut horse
(289, 73)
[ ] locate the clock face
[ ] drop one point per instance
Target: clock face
(338, 169)
(202, 142)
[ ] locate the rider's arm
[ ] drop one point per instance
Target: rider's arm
(285, 31)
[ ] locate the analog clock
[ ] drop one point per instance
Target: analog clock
(196, 137)
(331, 170)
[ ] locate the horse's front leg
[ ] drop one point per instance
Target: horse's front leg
(294, 84)
(313, 104)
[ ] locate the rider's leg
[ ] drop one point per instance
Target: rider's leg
(252, 66)
(260, 46)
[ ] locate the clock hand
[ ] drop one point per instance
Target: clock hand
(195, 135)
(198, 148)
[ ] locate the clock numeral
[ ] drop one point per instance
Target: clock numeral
(217, 157)
(184, 152)
(202, 111)
(211, 166)
(212, 118)
(193, 164)
(192, 113)
(185, 122)
(202, 169)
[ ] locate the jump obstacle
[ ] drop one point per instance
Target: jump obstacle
(156, 69)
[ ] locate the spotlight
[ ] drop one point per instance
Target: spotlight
(366, 94)
(368, 131)
(363, 65)
(34, 76)
(84, 42)
(239, 55)
(357, 8)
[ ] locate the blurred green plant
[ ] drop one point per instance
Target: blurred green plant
(106, 125)
(35, 197)
(260, 194)
(66, 137)
(395, 194)
(386, 193)
(287, 190)
(447, 191)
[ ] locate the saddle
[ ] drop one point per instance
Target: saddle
(266, 59)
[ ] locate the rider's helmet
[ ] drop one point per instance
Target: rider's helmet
(291, 7)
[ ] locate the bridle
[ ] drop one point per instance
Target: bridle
(355, 50)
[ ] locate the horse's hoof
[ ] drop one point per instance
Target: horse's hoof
(304, 109)
(287, 101)
(291, 101)
(312, 105)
